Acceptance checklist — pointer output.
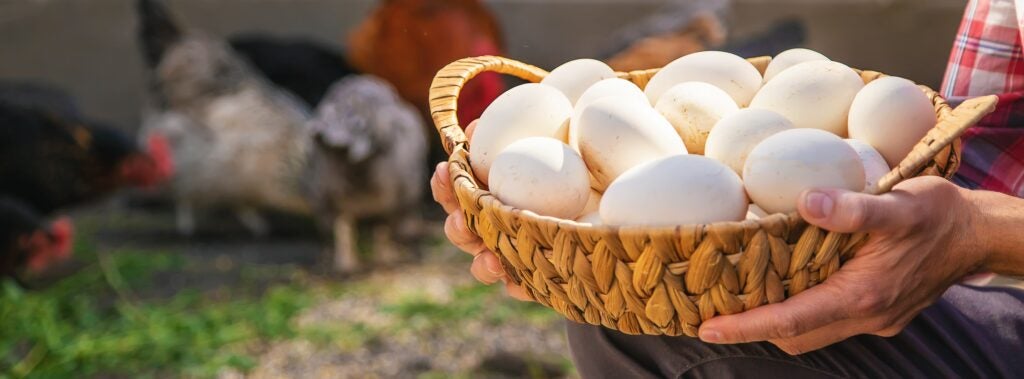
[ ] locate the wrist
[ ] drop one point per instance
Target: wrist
(971, 229)
(994, 224)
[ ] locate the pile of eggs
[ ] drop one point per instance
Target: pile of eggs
(708, 140)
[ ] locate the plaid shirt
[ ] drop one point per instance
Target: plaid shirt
(987, 58)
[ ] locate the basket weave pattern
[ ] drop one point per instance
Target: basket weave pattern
(664, 281)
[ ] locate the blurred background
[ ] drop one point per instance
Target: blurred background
(237, 188)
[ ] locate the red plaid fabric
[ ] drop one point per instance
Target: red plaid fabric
(987, 58)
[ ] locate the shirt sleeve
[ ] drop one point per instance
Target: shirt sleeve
(986, 57)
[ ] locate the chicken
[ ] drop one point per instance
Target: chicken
(52, 163)
(40, 97)
(406, 42)
(686, 27)
(303, 67)
(681, 29)
(236, 140)
(26, 242)
(781, 36)
(366, 164)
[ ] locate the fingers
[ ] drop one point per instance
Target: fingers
(840, 331)
(819, 338)
(516, 292)
(456, 231)
(470, 129)
(442, 189)
(486, 268)
(812, 309)
(848, 212)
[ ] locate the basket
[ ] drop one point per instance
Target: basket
(664, 281)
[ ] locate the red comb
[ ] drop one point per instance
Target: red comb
(48, 248)
(62, 232)
(160, 151)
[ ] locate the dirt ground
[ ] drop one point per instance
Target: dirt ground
(426, 318)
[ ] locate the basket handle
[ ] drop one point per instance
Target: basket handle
(942, 135)
(444, 91)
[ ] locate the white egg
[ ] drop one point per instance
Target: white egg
(617, 135)
(733, 74)
(593, 202)
(792, 161)
(592, 219)
(613, 87)
(528, 110)
(693, 109)
(735, 135)
(892, 115)
(790, 58)
(814, 94)
(542, 175)
(574, 77)
(874, 164)
(677, 190)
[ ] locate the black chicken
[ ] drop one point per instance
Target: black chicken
(304, 68)
(52, 163)
(39, 96)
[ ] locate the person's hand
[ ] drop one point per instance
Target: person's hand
(486, 267)
(920, 244)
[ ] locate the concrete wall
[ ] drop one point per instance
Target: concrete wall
(89, 48)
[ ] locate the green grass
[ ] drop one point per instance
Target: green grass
(113, 317)
(474, 301)
(87, 325)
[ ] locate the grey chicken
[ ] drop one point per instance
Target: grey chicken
(236, 140)
(367, 165)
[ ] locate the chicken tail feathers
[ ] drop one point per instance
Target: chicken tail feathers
(158, 29)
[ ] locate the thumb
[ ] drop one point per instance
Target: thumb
(849, 212)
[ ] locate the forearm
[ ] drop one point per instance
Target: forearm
(998, 225)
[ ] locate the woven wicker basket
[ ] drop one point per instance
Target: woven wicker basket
(664, 281)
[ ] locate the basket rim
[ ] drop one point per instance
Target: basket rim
(463, 177)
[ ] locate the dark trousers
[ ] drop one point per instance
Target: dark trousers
(970, 332)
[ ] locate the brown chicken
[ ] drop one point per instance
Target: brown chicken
(704, 31)
(407, 41)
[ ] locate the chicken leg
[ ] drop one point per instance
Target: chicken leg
(385, 250)
(346, 257)
(253, 221)
(185, 218)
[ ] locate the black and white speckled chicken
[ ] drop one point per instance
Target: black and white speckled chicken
(237, 140)
(367, 165)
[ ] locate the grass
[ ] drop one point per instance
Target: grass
(474, 301)
(104, 321)
(87, 324)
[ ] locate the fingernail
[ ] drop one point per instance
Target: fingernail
(495, 271)
(712, 336)
(819, 204)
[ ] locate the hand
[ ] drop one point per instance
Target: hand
(486, 267)
(920, 244)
